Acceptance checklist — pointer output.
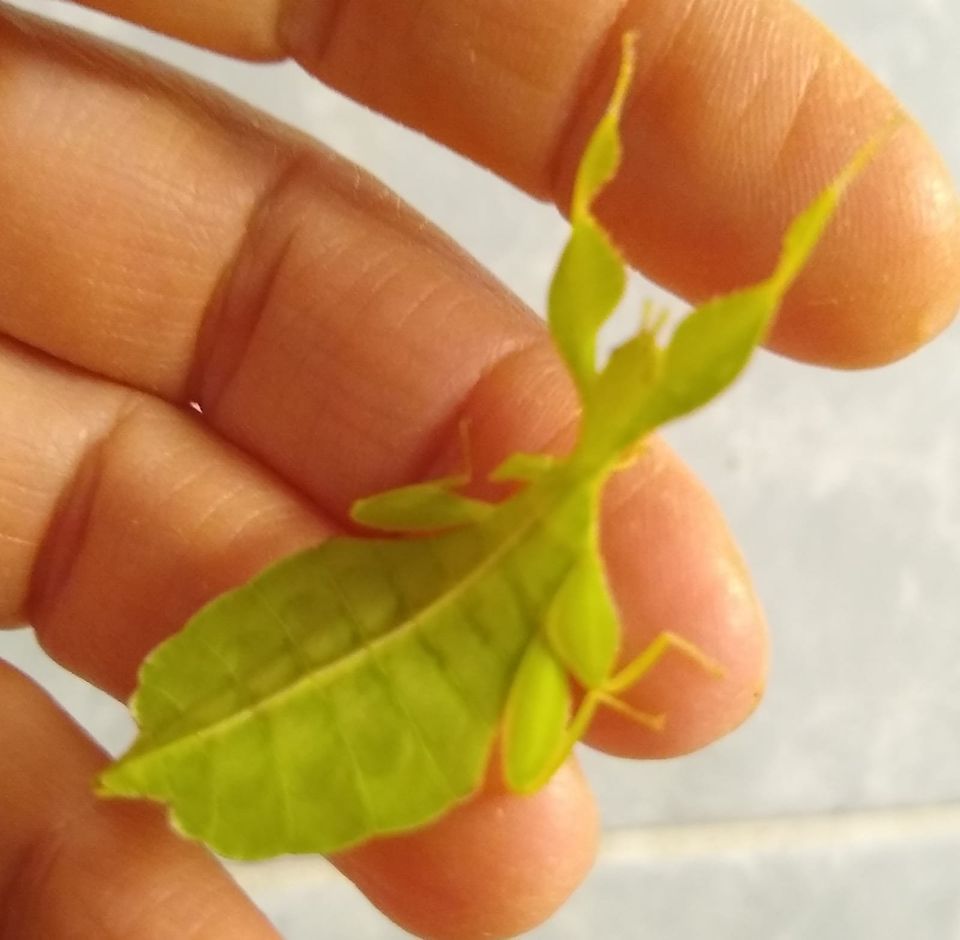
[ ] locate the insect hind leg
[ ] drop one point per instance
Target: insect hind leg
(608, 693)
(652, 720)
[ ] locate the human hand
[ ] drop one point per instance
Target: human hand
(112, 257)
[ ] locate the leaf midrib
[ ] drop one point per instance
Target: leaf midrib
(328, 672)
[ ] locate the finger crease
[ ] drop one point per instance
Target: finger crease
(231, 317)
(803, 97)
(321, 33)
(449, 431)
(594, 73)
(62, 543)
(31, 870)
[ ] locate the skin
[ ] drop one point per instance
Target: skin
(211, 257)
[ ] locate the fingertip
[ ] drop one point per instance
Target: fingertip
(670, 556)
(675, 568)
(741, 113)
(493, 867)
(886, 279)
(72, 865)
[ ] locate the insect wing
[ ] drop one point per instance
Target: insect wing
(583, 628)
(535, 719)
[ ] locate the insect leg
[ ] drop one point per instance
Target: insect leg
(577, 728)
(654, 722)
(606, 693)
(536, 744)
(662, 643)
(574, 731)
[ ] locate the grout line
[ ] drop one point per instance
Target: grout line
(691, 840)
(845, 828)
(282, 872)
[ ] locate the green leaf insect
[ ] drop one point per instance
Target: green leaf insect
(356, 689)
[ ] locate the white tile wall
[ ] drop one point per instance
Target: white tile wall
(835, 814)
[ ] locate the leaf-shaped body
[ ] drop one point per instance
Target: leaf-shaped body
(353, 689)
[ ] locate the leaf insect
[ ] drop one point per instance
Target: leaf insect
(357, 688)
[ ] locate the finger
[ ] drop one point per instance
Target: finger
(231, 265)
(137, 494)
(145, 493)
(248, 30)
(129, 516)
(72, 866)
(339, 405)
(496, 840)
(740, 110)
(121, 517)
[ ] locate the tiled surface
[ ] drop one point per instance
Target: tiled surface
(843, 491)
(882, 876)
(788, 890)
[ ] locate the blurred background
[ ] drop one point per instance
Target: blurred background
(835, 813)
